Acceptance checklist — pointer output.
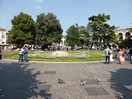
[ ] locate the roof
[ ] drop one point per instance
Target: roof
(2, 29)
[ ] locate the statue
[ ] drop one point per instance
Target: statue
(63, 41)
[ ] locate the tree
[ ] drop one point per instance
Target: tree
(102, 32)
(48, 30)
(126, 43)
(82, 33)
(130, 30)
(22, 31)
(73, 36)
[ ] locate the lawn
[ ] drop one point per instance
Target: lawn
(74, 56)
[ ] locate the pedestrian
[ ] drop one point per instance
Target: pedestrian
(0, 53)
(111, 56)
(20, 54)
(127, 53)
(121, 56)
(26, 53)
(130, 54)
(107, 56)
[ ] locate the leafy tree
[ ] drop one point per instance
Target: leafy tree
(82, 33)
(130, 30)
(73, 36)
(48, 30)
(22, 31)
(102, 32)
(126, 43)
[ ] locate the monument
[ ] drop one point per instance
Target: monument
(62, 44)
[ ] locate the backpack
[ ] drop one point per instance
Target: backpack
(109, 52)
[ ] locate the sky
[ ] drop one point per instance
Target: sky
(68, 12)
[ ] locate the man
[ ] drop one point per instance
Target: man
(0, 53)
(107, 56)
(26, 53)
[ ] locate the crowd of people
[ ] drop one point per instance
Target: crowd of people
(121, 55)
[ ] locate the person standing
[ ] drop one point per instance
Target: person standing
(20, 54)
(127, 53)
(111, 56)
(130, 54)
(107, 56)
(26, 53)
(0, 53)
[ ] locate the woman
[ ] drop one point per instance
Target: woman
(111, 56)
(121, 56)
(21, 55)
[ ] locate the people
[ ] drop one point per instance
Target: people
(107, 57)
(25, 53)
(0, 53)
(20, 54)
(130, 54)
(111, 56)
(127, 53)
(121, 56)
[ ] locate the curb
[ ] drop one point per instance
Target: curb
(52, 62)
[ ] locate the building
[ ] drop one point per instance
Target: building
(123, 33)
(3, 37)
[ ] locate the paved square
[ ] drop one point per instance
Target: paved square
(40, 80)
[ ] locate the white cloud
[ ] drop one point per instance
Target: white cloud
(38, 7)
(39, 1)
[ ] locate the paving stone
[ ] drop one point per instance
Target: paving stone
(89, 81)
(96, 91)
(44, 87)
(50, 72)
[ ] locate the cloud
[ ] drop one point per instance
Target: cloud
(39, 1)
(38, 7)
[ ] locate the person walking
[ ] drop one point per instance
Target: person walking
(107, 56)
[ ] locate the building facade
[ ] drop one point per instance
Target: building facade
(3, 37)
(123, 33)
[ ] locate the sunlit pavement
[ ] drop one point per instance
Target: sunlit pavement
(35, 80)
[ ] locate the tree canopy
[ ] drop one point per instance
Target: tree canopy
(48, 29)
(22, 31)
(73, 35)
(102, 31)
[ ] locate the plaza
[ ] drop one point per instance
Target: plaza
(40, 80)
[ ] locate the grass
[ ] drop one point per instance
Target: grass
(75, 56)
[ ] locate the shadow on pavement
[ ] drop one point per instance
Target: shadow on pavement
(121, 78)
(18, 82)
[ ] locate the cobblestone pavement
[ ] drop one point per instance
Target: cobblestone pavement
(35, 80)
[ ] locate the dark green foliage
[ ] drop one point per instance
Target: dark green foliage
(73, 36)
(101, 30)
(48, 29)
(126, 43)
(22, 31)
